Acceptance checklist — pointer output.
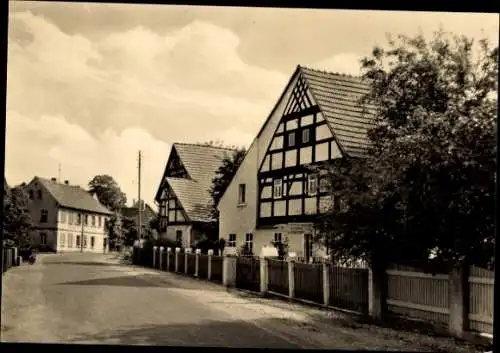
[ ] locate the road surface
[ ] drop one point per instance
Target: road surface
(88, 298)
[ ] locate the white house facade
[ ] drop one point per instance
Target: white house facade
(66, 217)
(318, 118)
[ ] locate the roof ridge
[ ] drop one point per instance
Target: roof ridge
(336, 73)
(204, 145)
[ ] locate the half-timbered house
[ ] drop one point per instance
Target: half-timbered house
(318, 118)
(183, 198)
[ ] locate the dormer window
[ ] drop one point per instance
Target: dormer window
(31, 194)
(39, 194)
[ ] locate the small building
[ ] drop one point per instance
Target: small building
(185, 203)
(274, 196)
(147, 215)
(66, 217)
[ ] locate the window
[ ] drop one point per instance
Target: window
(232, 241)
(249, 242)
(44, 216)
(323, 185)
(93, 221)
(39, 194)
(178, 236)
(305, 136)
(31, 195)
(43, 238)
(70, 240)
(85, 241)
(241, 193)
(86, 219)
(278, 238)
(99, 221)
(278, 188)
(62, 240)
(78, 241)
(92, 242)
(291, 139)
(79, 218)
(312, 184)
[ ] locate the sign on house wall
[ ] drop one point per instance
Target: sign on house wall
(295, 228)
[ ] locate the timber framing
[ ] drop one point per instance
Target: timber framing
(287, 189)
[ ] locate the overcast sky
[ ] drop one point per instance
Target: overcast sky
(91, 84)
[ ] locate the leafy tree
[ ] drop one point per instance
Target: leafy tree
(108, 192)
(427, 183)
(17, 221)
(224, 175)
(110, 195)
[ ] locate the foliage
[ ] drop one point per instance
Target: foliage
(108, 192)
(428, 180)
(110, 195)
(224, 175)
(245, 250)
(220, 144)
(282, 247)
(17, 221)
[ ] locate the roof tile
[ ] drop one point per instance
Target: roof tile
(73, 196)
(201, 163)
(338, 97)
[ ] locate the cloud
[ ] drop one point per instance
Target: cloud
(39, 144)
(92, 104)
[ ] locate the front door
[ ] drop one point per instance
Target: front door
(308, 247)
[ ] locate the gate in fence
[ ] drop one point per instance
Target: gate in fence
(248, 273)
(278, 276)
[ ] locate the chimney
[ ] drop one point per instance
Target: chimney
(53, 179)
(66, 182)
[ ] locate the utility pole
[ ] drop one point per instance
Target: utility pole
(81, 240)
(139, 208)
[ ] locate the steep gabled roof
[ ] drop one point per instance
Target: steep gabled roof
(338, 97)
(73, 196)
(201, 163)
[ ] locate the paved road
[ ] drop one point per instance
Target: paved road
(84, 298)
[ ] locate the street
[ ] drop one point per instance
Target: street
(90, 298)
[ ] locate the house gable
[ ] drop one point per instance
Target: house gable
(241, 219)
(287, 191)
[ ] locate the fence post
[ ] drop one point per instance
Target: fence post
(291, 277)
(160, 260)
(154, 256)
(377, 292)
(326, 280)
(15, 257)
(458, 294)
(197, 262)
(209, 267)
(169, 250)
(177, 253)
(228, 271)
(263, 275)
(187, 252)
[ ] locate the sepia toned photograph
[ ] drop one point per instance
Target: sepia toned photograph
(249, 177)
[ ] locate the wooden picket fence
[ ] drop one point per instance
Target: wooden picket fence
(411, 293)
